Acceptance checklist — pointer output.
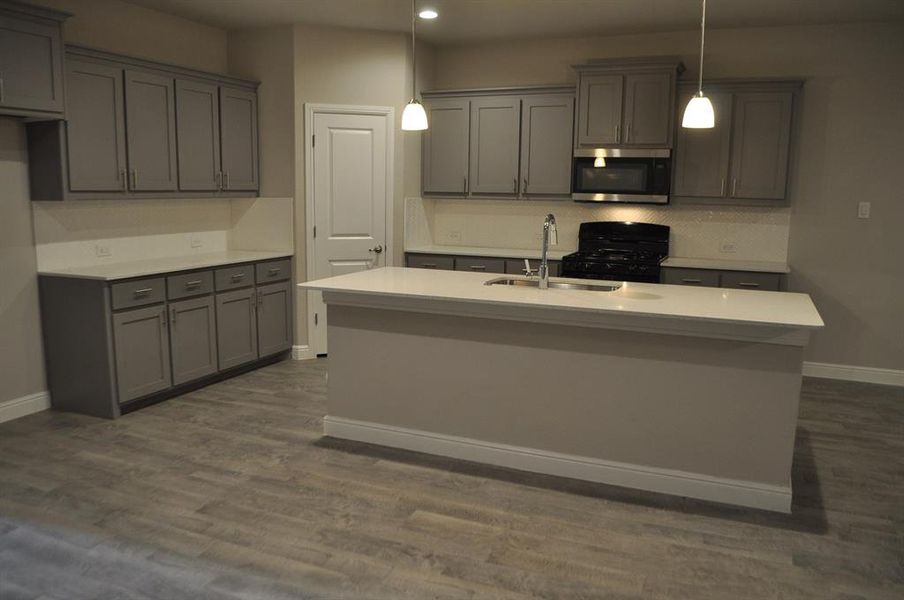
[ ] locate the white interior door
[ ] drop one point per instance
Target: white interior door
(350, 219)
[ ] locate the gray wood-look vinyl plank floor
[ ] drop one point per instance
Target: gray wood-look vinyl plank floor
(231, 492)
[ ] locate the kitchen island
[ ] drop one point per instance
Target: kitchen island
(679, 390)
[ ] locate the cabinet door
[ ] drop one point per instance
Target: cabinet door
(760, 142)
(193, 338)
(445, 147)
(495, 133)
(151, 131)
(599, 109)
(648, 109)
(701, 155)
(547, 124)
(141, 341)
(238, 139)
(198, 135)
(236, 328)
(274, 318)
(31, 66)
(95, 127)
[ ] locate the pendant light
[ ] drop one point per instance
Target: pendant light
(414, 117)
(699, 113)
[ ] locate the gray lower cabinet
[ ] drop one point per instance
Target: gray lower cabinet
(495, 126)
(546, 138)
(744, 280)
(236, 327)
(274, 318)
(193, 338)
(141, 344)
(445, 146)
(480, 264)
(746, 155)
(430, 261)
(238, 139)
(31, 61)
(198, 135)
(109, 344)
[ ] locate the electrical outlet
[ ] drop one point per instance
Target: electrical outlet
(454, 235)
(728, 247)
(102, 250)
(863, 210)
(196, 242)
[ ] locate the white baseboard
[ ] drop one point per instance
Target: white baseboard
(666, 481)
(852, 373)
(26, 405)
(303, 353)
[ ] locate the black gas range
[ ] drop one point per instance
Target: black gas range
(618, 251)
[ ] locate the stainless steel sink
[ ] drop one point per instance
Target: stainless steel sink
(553, 284)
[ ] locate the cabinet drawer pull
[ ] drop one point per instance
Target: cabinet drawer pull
(428, 266)
(690, 280)
(226, 180)
(2, 90)
(273, 271)
(192, 284)
(478, 267)
(748, 285)
(734, 186)
(142, 292)
(238, 276)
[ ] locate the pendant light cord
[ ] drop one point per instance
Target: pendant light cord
(702, 38)
(414, 54)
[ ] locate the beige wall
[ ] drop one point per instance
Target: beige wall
(849, 148)
(21, 359)
(121, 27)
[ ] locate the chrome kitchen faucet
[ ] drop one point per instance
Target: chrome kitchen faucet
(549, 228)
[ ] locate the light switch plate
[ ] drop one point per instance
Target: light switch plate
(863, 210)
(728, 247)
(196, 242)
(454, 235)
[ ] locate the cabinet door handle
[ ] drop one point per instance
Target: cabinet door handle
(238, 276)
(465, 189)
(515, 184)
(748, 285)
(226, 180)
(628, 134)
(219, 180)
(478, 267)
(124, 179)
(172, 318)
(524, 189)
(142, 292)
(260, 300)
(163, 319)
(192, 284)
(2, 90)
(722, 188)
(689, 280)
(734, 186)
(618, 133)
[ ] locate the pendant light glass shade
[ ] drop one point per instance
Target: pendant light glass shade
(414, 117)
(699, 113)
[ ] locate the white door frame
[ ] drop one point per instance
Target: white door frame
(310, 110)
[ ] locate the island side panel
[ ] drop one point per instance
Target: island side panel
(702, 407)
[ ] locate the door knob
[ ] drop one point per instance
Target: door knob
(377, 250)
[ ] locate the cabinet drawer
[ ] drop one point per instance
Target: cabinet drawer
(274, 270)
(699, 277)
(230, 278)
(189, 284)
(430, 261)
(516, 267)
(751, 281)
(138, 293)
(481, 265)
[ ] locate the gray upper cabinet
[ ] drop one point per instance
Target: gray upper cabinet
(701, 155)
(198, 135)
(445, 146)
(274, 318)
(600, 104)
(193, 338)
(649, 98)
(495, 130)
(546, 138)
(31, 61)
(95, 128)
(238, 139)
(745, 156)
(141, 341)
(626, 102)
(151, 127)
(236, 327)
(761, 136)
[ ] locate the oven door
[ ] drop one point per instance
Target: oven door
(621, 176)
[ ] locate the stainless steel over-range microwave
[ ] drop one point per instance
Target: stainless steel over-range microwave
(622, 175)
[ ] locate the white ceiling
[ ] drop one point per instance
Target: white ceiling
(472, 20)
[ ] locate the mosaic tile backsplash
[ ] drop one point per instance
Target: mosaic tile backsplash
(700, 231)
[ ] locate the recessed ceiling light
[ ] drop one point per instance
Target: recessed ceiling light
(428, 13)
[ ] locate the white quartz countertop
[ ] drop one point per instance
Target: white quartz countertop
(487, 252)
(726, 264)
(632, 300)
(155, 266)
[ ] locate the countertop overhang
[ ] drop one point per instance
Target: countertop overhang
(765, 317)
